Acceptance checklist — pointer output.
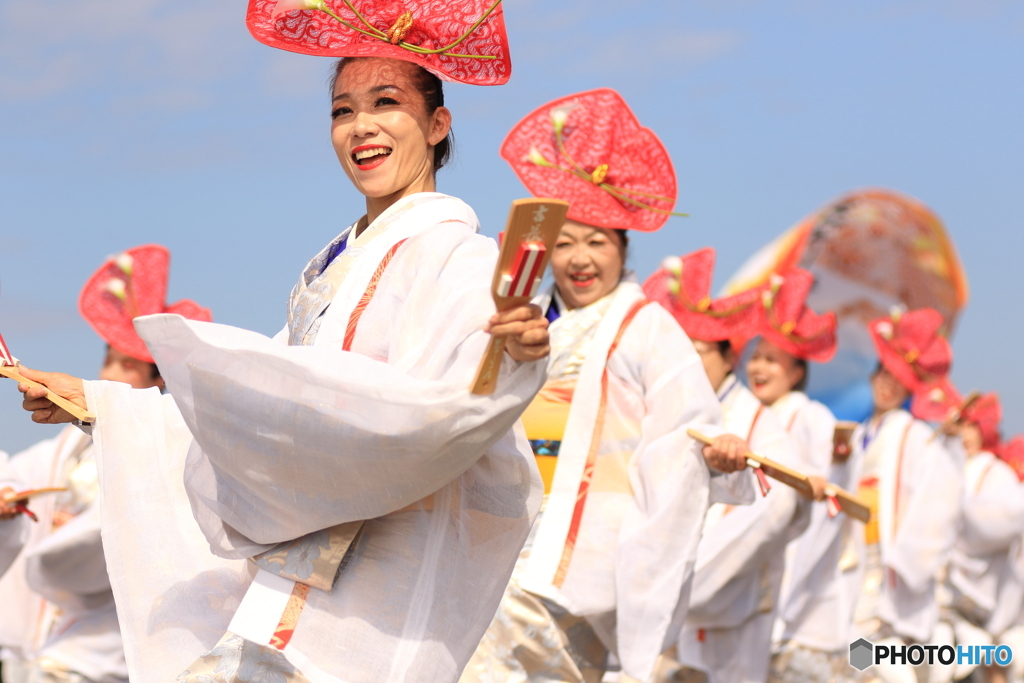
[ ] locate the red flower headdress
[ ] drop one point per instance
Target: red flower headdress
(590, 150)
(128, 285)
(911, 346)
(788, 323)
(683, 286)
(936, 401)
(457, 40)
(1012, 453)
(986, 413)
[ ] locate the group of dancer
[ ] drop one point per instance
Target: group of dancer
(334, 505)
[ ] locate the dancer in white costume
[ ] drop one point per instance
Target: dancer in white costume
(985, 580)
(382, 505)
(611, 556)
(59, 620)
(14, 525)
(813, 642)
(914, 482)
(740, 559)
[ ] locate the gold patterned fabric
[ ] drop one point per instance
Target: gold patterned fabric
(798, 664)
(532, 639)
(236, 660)
(313, 559)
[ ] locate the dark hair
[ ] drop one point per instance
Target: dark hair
(802, 384)
(724, 347)
(624, 236)
(432, 89)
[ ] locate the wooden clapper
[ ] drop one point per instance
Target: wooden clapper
(956, 415)
(526, 246)
(9, 368)
(20, 499)
(837, 499)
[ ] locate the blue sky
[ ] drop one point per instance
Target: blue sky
(123, 123)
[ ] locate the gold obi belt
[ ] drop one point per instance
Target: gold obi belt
(868, 492)
(544, 421)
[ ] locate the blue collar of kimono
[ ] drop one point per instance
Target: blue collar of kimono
(728, 384)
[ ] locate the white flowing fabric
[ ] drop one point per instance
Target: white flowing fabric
(741, 558)
(920, 500)
(13, 532)
(56, 596)
(984, 566)
(633, 557)
(284, 440)
(814, 607)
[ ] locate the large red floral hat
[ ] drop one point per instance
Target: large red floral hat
(910, 346)
(683, 285)
(128, 285)
(1012, 453)
(590, 150)
(457, 40)
(936, 400)
(986, 413)
(789, 324)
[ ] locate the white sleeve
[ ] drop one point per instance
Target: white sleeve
(994, 515)
(67, 566)
(293, 439)
(814, 429)
(748, 536)
(929, 522)
(658, 539)
(13, 532)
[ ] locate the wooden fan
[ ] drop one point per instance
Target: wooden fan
(526, 246)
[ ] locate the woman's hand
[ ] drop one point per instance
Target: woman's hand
(525, 330)
(7, 510)
(818, 484)
(727, 453)
(43, 410)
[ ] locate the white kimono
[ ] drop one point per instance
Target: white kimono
(617, 541)
(986, 573)
(741, 556)
(13, 532)
(920, 499)
(280, 443)
(814, 607)
(57, 601)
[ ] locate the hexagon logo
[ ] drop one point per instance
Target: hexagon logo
(861, 654)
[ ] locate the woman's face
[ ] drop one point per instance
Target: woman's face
(120, 367)
(887, 391)
(772, 372)
(587, 263)
(381, 131)
(716, 364)
(970, 434)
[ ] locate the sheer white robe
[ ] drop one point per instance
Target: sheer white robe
(13, 532)
(920, 498)
(985, 567)
(284, 440)
(56, 596)
(814, 606)
(633, 558)
(741, 556)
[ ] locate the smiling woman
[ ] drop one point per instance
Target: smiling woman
(390, 128)
(339, 507)
(627, 486)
